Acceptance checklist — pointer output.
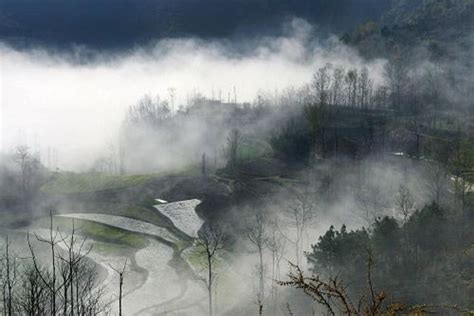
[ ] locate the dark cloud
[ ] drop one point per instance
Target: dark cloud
(120, 24)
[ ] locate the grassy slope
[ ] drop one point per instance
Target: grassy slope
(139, 207)
(70, 182)
(104, 234)
(67, 182)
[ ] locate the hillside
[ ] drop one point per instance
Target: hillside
(441, 28)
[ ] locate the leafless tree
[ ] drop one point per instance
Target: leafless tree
(405, 204)
(381, 97)
(300, 214)
(372, 199)
(231, 150)
(396, 78)
(66, 286)
(321, 85)
(50, 280)
(331, 293)
(337, 88)
(317, 111)
(120, 272)
(22, 158)
(277, 246)
(28, 166)
(432, 94)
(32, 294)
(122, 154)
(350, 82)
(461, 165)
(148, 111)
(258, 237)
(436, 180)
(9, 278)
(364, 86)
(67, 273)
(211, 242)
(333, 296)
(70, 264)
(203, 164)
(172, 98)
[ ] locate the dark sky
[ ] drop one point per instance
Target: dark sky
(119, 24)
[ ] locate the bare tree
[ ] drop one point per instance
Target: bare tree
(22, 158)
(50, 280)
(76, 252)
(121, 273)
(277, 244)
(231, 150)
(203, 164)
(461, 165)
(396, 78)
(9, 278)
(88, 294)
(257, 235)
(321, 85)
(300, 215)
(337, 86)
(432, 92)
(148, 111)
(372, 199)
(331, 293)
(28, 166)
(67, 286)
(317, 112)
(32, 295)
(364, 85)
(122, 153)
(211, 242)
(350, 82)
(172, 98)
(333, 296)
(436, 180)
(405, 204)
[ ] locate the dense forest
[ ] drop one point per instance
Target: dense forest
(350, 194)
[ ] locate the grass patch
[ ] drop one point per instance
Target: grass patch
(252, 149)
(71, 182)
(112, 248)
(138, 212)
(118, 238)
(197, 259)
(281, 180)
(12, 219)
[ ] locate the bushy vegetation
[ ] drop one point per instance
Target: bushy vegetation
(432, 247)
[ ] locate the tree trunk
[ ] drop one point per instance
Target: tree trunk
(120, 293)
(9, 282)
(261, 283)
(209, 284)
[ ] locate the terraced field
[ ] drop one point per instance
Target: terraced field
(157, 279)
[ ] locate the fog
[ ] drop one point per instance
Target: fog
(207, 171)
(85, 99)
